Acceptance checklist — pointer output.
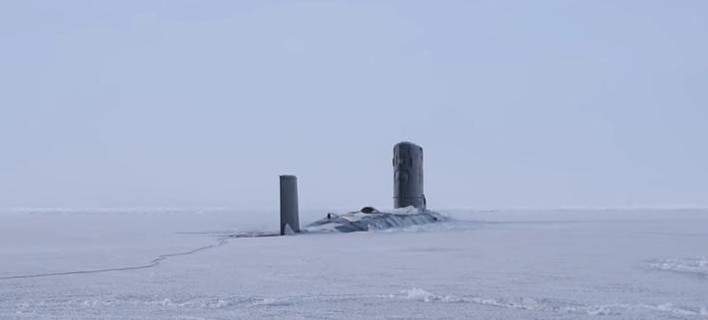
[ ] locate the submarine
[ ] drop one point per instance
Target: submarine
(409, 202)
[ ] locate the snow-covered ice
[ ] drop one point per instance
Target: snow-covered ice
(186, 264)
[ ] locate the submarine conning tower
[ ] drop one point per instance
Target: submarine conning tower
(408, 176)
(289, 212)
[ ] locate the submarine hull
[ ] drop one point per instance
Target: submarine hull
(359, 221)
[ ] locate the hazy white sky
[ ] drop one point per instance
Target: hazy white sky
(204, 103)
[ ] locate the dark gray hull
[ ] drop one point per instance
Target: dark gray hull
(358, 221)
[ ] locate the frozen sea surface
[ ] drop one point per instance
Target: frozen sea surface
(183, 264)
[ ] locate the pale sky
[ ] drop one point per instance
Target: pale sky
(533, 104)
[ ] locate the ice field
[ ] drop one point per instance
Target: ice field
(185, 264)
